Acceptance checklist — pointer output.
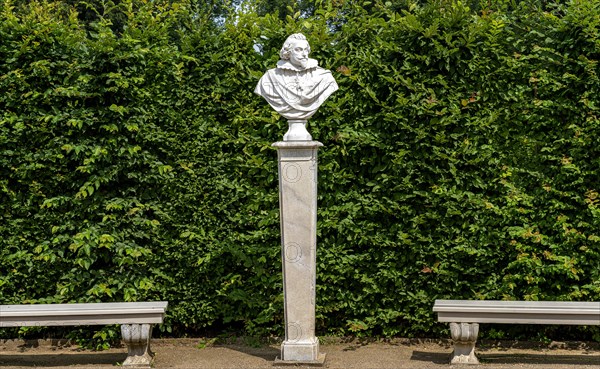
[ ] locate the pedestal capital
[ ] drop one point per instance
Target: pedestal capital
(297, 144)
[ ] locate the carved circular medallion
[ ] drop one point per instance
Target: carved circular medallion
(292, 252)
(294, 332)
(291, 172)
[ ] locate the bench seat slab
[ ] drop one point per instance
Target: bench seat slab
(82, 314)
(519, 312)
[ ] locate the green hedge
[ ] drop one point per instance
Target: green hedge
(460, 160)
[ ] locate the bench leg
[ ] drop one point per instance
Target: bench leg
(464, 336)
(137, 338)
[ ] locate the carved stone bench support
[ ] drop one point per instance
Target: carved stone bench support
(137, 338)
(464, 336)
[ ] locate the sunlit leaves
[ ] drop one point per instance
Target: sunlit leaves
(459, 160)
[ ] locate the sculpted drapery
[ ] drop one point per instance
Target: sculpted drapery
(297, 87)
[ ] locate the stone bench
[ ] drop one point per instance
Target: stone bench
(464, 317)
(136, 319)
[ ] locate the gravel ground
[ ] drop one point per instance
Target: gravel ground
(353, 354)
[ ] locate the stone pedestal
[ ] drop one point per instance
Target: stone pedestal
(464, 336)
(298, 209)
(297, 131)
(137, 338)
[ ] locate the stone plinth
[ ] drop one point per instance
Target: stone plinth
(297, 131)
(464, 336)
(137, 339)
(298, 209)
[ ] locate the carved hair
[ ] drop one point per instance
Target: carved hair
(284, 53)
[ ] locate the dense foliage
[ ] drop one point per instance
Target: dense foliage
(460, 159)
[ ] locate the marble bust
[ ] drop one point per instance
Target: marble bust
(297, 87)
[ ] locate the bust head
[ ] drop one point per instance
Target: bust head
(296, 50)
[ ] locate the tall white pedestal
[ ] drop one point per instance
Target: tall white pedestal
(298, 209)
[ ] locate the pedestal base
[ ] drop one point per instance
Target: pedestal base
(316, 363)
(300, 351)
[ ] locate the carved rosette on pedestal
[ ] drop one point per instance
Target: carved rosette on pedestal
(464, 336)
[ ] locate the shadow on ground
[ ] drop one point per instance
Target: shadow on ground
(566, 360)
(265, 352)
(431, 357)
(511, 358)
(61, 360)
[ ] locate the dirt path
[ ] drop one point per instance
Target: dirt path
(396, 354)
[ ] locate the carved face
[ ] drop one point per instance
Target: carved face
(299, 53)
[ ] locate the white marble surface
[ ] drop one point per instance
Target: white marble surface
(298, 209)
(297, 86)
